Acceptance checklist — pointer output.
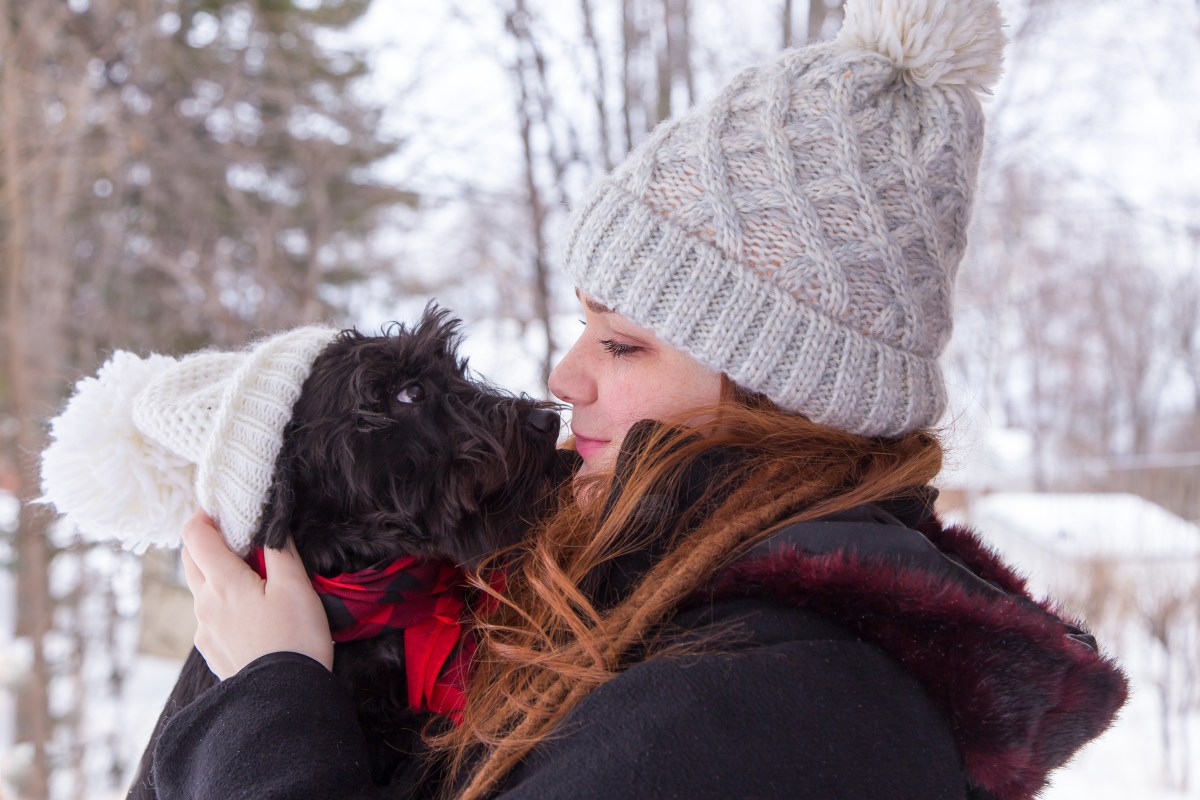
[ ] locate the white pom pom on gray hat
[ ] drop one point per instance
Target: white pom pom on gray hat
(801, 232)
(146, 441)
(948, 42)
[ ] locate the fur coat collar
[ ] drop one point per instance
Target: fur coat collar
(1022, 688)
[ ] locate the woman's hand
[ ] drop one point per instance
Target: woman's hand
(240, 615)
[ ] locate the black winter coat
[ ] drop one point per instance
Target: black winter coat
(871, 654)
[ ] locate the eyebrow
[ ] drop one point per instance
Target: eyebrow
(592, 305)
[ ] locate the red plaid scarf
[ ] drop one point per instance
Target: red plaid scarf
(422, 598)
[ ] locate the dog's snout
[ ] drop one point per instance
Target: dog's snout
(545, 421)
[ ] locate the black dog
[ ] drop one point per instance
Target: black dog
(394, 449)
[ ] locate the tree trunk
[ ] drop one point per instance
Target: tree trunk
(666, 64)
(628, 92)
(817, 12)
(598, 95)
(33, 610)
(518, 27)
(685, 50)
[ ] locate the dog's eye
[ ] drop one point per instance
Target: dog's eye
(411, 393)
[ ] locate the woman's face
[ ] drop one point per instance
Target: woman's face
(618, 373)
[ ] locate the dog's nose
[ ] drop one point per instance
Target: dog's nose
(545, 421)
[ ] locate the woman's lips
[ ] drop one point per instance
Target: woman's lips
(587, 447)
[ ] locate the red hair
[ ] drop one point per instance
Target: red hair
(547, 646)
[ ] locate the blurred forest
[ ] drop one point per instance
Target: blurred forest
(183, 173)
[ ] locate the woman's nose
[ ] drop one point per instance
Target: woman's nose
(568, 380)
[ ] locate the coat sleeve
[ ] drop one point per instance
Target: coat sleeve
(283, 727)
(805, 720)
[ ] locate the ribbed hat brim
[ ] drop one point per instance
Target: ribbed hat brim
(736, 321)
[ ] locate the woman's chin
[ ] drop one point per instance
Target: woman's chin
(592, 480)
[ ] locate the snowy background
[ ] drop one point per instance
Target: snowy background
(1101, 102)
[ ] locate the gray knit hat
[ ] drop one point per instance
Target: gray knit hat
(801, 232)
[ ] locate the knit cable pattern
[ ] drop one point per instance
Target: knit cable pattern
(801, 232)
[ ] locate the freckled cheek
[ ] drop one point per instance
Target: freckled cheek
(658, 400)
(625, 401)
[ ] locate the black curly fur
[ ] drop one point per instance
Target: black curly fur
(364, 477)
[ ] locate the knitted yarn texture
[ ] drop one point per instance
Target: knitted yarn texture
(801, 233)
(141, 445)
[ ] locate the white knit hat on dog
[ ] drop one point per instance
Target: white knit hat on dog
(146, 441)
(801, 233)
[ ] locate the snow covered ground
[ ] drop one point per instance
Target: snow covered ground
(1126, 763)
(1129, 760)
(150, 680)
(1150, 558)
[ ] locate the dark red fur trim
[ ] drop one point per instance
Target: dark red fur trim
(965, 545)
(1020, 695)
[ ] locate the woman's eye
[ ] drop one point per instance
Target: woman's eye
(412, 393)
(617, 349)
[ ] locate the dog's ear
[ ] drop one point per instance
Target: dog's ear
(280, 508)
(439, 325)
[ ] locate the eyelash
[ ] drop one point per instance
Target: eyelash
(618, 350)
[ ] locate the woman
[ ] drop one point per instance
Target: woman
(745, 592)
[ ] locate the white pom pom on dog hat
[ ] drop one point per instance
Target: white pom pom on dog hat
(103, 472)
(138, 447)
